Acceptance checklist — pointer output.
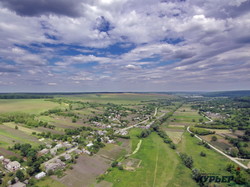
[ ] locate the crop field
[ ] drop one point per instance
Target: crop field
(49, 182)
(86, 170)
(175, 134)
(121, 98)
(112, 151)
(22, 128)
(31, 106)
(185, 116)
(159, 164)
(9, 136)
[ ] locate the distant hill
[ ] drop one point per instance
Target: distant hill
(240, 93)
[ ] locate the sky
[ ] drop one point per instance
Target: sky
(124, 45)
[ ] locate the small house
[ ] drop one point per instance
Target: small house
(13, 166)
(40, 175)
(67, 156)
(90, 144)
(43, 152)
(1, 158)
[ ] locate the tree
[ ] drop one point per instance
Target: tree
(234, 152)
(196, 174)
(172, 145)
(114, 164)
(20, 175)
(16, 127)
(74, 120)
(214, 138)
(187, 160)
(203, 154)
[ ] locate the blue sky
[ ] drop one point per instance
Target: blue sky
(124, 45)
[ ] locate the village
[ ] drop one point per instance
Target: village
(59, 155)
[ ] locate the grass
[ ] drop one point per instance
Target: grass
(159, 166)
(121, 98)
(175, 136)
(10, 136)
(49, 182)
(31, 106)
(212, 163)
(21, 128)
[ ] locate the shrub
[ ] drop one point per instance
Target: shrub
(203, 154)
(187, 160)
(214, 138)
(172, 146)
(114, 164)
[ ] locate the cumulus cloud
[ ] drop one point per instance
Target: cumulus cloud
(107, 44)
(43, 7)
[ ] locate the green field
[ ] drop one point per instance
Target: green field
(212, 163)
(49, 182)
(159, 166)
(9, 136)
(31, 106)
(122, 98)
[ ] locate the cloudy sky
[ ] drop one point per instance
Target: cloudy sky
(124, 45)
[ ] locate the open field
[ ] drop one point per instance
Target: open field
(49, 182)
(113, 151)
(31, 106)
(220, 143)
(175, 134)
(86, 170)
(159, 164)
(185, 116)
(21, 128)
(212, 163)
(121, 98)
(10, 136)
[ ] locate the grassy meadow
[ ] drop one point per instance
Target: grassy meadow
(159, 166)
(31, 106)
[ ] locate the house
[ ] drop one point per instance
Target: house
(67, 156)
(90, 144)
(13, 166)
(86, 151)
(111, 141)
(43, 152)
(49, 146)
(1, 158)
(53, 151)
(40, 175)
(57, 164)
(67, 145)
(78, 151)
(6, 161)
(58, 146)
(18, 184)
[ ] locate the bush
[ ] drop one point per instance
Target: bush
(20, 175)
(192, 134)
(145, 133)
(203, 154)
(214, 138)
(172, 146)
(114, 164)
(187, 160)
(120, 167)
(201, 131)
